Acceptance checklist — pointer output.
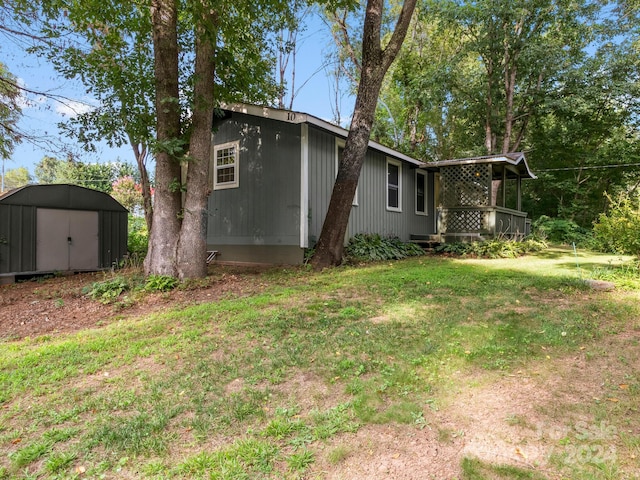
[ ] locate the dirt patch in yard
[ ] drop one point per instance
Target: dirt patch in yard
(54, 305)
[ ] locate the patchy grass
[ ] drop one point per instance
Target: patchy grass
(273, 385)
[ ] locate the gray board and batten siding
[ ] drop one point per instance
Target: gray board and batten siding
(369, 213)
(49, 228)
(286, 170)
(259, 220)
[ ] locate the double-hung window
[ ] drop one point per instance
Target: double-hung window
(394, 185)
(225, 165)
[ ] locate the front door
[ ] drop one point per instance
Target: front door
(66, 240)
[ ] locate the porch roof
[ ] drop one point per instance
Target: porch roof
(515, 160)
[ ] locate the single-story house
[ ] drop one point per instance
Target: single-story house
(272, 174)
(60, 228)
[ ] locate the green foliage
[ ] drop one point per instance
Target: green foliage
(475, 469)
(625, 275)
(138, 238)
(160, 283)
(495, 248)
(365, 247)
(10, 112)
(107, 291)
(126, 191)
(16, 177)
(559, 230)
(618, 230)
(98, 176)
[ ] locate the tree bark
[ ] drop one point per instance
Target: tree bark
(192, 246)
(163, 238)
(375, 63)
(140, 152)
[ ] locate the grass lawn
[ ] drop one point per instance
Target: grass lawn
(424, 368)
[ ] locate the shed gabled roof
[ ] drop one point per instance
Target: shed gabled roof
(290, 116)
(515, 159)
(63, 196)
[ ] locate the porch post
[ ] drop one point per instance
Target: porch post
(504, 186)
(519, 191)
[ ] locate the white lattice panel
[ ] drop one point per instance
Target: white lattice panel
(466, 185)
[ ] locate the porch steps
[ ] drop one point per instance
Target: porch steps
(428, 242)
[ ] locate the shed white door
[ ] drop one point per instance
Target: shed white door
(66, 240)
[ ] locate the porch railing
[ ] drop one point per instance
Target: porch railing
(482, 222)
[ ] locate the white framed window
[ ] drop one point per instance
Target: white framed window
(421, 193)
(394, 185)
(339, 153)
(225, 165)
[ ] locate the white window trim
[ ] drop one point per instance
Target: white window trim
(340, 144)
(236, 170)
(391, 161)
(426, 202)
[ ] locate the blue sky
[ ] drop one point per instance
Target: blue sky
(315, 96)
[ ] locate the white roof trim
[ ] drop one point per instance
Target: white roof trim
(514, 158)
(290, 116)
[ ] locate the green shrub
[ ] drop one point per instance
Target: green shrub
(138, 240)
(107, 291)
(559, 230)
(160, 283)
(494, 248)
(366, 247)
(618, 230)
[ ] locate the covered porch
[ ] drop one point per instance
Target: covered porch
(481, 197)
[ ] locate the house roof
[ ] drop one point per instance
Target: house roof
(291, 116)
(516, 160)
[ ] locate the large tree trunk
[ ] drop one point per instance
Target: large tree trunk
(488, 119)
(509, 87)
(192, 245)
(161, 257)
(375, 63)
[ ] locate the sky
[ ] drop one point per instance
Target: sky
(315, 95)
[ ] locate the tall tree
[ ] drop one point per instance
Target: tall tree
(375, 61)
(16, 177)
(589, 138)
(473, 75)
(98, 176)
(164, 235)
(10, 113)
(230, 45)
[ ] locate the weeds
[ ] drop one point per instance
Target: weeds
(108, 290)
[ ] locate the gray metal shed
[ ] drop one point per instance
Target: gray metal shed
(50, 228)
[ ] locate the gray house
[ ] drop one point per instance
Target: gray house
(272, 173)
(51, 228)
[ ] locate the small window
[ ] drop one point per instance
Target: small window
(394, 185)
(421, 193)
(225, 165)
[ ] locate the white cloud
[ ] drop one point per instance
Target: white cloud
(73, 108)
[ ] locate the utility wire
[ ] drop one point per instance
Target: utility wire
(594, 167)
